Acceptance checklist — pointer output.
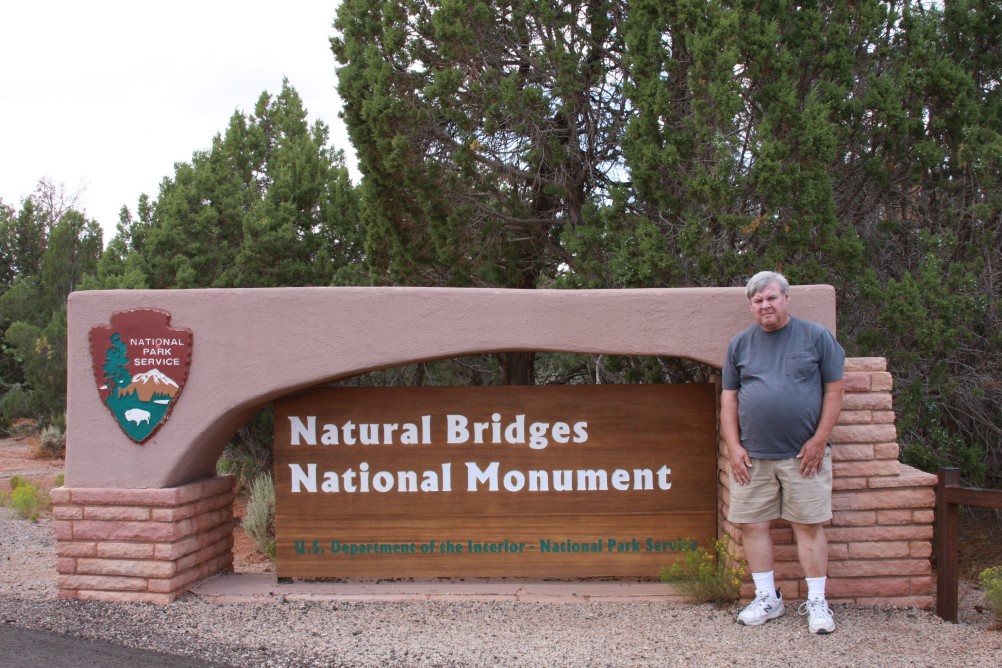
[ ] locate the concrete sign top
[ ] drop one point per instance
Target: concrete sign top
(254, 345)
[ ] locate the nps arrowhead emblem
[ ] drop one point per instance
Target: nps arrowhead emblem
(140, 365)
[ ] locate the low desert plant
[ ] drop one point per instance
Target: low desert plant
(704, 577)
(991, 580)
(259, 520)
(26, 499)
(52, 443)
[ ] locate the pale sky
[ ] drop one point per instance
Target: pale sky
(105, 96)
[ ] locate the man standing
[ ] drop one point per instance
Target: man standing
(782, 393)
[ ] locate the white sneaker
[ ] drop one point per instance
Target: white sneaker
(767, 605)
(819, 616)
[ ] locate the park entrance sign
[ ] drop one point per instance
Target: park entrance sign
(563, 482)
(553, 481)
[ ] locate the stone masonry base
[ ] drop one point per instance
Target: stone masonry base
(142, 544)
(880, 538)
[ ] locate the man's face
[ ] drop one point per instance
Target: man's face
(771, 307)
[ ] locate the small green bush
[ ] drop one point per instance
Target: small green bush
(259, 521)
(991, 580)
(707, 578)
(26, 499)
(60, 480)
(52, 443)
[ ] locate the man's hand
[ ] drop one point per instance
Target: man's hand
(812, 456)
(740, 463)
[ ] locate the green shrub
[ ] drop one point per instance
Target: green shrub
(707, 578)
(52, 443)
(26, 499)
(60, 480)
(15, 411)
(259, 521)
(991, 580)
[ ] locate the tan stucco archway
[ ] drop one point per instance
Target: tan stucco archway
(251, 346)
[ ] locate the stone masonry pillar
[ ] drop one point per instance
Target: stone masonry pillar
(142, 544)
(880, 538)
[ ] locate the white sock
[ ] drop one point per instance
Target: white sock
(764, 581)
(816, 588)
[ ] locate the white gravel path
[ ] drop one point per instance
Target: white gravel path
(467, 633)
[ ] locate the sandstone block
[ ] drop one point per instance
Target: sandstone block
(124, 513)
(865, 364)
(851, 587)
(62, 530)
(857, 381)
(881, 499)
(852, 451)
(855, 417)
(876, 568)
(921, 585)
(881, 550)
(125, 597)
(895, 516)
(857, 518)
(100, 582)
(872, 433)
(90, 496)
(127, 567)
(71, 549)
(918, 602)
(881, 381)
(867, 468)
(842, 483)
(886, 451)
(125, 531)
(125, 550)
(867, 401)
(867, 534)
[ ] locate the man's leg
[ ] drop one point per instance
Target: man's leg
(812, 550)
(757, 541)
(768, 603)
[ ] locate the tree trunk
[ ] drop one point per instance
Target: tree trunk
(517, 368)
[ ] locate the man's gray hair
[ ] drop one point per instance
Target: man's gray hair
(764, 278)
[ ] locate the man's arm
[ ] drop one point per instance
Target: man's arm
(813, 453)
(731, 431)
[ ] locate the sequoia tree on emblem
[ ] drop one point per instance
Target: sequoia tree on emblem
(140, 365)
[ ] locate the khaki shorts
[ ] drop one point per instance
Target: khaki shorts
(777, 489)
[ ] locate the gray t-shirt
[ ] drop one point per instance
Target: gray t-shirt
(779, 377)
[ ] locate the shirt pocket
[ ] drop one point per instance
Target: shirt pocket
(802, 366)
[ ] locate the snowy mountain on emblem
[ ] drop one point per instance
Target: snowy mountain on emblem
(153, 382)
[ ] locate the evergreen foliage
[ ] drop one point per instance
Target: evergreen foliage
(596, 144)
(643, 143)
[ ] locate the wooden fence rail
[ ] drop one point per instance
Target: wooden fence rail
(949, 497)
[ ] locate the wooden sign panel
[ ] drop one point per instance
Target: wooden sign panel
(544, 481)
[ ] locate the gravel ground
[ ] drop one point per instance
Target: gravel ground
(477, 633)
